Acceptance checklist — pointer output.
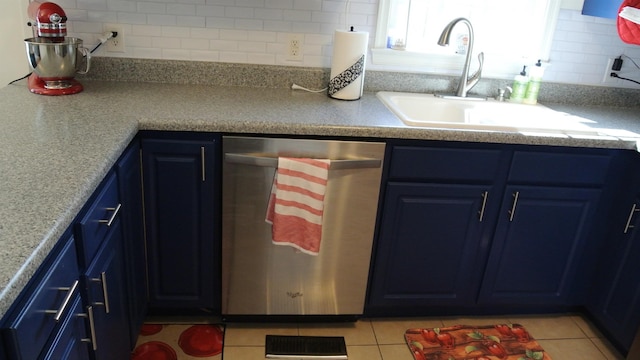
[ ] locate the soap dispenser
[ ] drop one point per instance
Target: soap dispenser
(533, 88)
(519, 88)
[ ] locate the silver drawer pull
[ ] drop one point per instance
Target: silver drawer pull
(115, 210)
(105, 292)
(92, 328)
(512, 212)
(65, 303)
(634, 209)
(485, 196)
(269, 161)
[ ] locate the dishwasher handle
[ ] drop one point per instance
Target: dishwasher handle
(268, 161)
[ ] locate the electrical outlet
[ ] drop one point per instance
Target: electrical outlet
(115, 44)
(294, 47)
(606, 77)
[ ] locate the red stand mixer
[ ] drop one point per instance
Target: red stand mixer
(53, 57)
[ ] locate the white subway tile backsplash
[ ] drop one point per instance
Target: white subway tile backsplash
(307, 5)
(257, 31)
(223, 45)
(297, 15)
(181, 9)
(269, 14)
(220, 22)
(151, 7)
(194, 44)
(194, 21)
(131, 18)
(249, 24)
(175, 31)
(279, 4)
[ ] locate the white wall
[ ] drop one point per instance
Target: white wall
(256, 32)
(14, 30)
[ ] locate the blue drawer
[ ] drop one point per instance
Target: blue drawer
(96, 224)
(563, 169)
(440, 164)
(32, 327)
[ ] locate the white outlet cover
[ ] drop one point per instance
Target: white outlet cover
(290, 54)
(116, 44)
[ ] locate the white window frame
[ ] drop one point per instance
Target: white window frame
(382, 57)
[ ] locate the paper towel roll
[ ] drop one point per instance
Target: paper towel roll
(347, 64)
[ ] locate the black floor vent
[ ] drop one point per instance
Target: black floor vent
(305, 347)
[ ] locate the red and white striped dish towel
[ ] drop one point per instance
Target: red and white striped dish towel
(296, 203)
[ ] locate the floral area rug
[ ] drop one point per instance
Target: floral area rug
(179, 342)
(461, 342)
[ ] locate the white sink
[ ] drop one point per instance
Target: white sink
(427, 110)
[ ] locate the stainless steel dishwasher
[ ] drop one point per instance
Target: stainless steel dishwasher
(260, 278)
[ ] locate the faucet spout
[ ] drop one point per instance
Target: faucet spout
(466, 82)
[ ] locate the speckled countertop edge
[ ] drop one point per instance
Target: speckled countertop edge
(54, 151)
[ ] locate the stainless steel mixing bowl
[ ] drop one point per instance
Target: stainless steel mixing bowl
(57, 60)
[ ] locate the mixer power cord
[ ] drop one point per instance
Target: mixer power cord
(105, 37)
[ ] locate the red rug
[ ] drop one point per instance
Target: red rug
(462, 342)
(179, 342)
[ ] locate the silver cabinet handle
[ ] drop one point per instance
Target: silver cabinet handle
(105, 292)
(92, 328)
(513, 207)
(485, 196)
(269, 161)
(65, 303)
(634, 209)
(202, 163)
(109, 221)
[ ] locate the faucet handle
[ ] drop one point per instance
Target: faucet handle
(501, 93)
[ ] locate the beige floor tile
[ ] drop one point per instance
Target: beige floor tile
(363, 352)
(572, 349)
(391, 331)
(550, 326)
(395, 352)
(243, 353)
(242, 334)
(607, 349)
(358, 333)
(587, 327)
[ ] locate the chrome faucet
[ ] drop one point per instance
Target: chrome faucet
(466, 82)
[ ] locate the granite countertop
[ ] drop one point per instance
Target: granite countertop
(54, 151)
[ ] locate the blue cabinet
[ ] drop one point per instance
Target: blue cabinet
(130, 189)
(439, 213)
(106, 295)
(181, 188)
(614, 301)
(46, 318)
(539, 209)
(430, 251)
(601, 8)
(100, 240)
(538, 245)
(71, 342)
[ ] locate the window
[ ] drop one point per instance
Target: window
(510, 33)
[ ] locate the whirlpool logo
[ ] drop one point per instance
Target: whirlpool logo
(294, 295)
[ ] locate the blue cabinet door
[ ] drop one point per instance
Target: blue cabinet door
(180, 188)
(536, 251)
(601, 8)
(614, 301)
(106, 292)
(130, 187)
(431, 248)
